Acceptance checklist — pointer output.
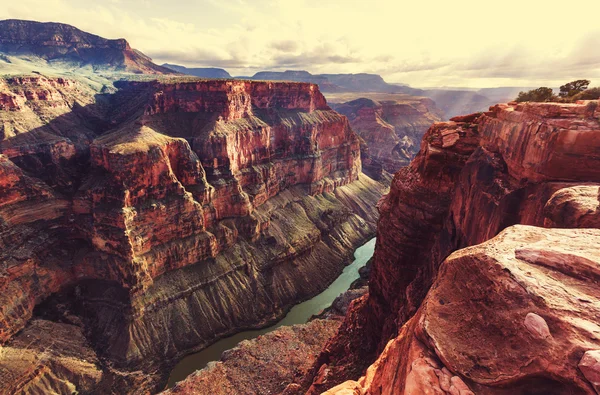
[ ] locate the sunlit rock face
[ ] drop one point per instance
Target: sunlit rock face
(166, 215)
(392, 129)
(531, 164)
(516, 313)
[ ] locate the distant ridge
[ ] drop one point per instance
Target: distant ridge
(62, 43)
(361, 82)
(202, 72)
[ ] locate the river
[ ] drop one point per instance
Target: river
(298, 314)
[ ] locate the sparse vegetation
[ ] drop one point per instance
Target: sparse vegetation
(573, 88)
(588, 94)
(569, 93)
(542, 94)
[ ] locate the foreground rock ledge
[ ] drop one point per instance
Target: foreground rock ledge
(472, 334)
(474, 176)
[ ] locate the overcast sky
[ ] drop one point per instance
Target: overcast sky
(425, 43)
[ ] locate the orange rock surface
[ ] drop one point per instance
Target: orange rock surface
(515, 314)
(530, 164)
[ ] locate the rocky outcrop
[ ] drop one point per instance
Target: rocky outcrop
(574, 207)
(55, 357)
(49, 357)
(476, 175)
(58, 42)
(515, 314)
(169, 214)
(392, 130)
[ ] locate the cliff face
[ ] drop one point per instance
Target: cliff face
(516, 314)
(59, 42)
(159, 218)
(392, 130)
(474, 176)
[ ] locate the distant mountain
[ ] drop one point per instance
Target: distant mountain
(289, 75)
(363, 82)
(202, 72)
(298, 76)
(61, 43)
(452, 101)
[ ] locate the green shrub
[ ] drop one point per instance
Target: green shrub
(573, 88)
(588, 94)
(542, 94)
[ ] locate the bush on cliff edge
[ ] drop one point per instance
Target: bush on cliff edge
(569, 93)
(542, 94)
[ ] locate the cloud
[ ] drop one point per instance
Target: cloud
(420, 43)
(285, 46)
(394, 67)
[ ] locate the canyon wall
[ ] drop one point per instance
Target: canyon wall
(152, 221)
(391, 129)
(512, 315)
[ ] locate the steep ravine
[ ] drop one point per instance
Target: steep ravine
(257, 365)
(150, 222)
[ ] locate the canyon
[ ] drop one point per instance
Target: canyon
(392, 129)
(451, 101)
(143, 224)
(484, 275)
(144, 215)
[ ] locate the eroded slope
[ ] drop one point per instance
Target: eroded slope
(164, 216)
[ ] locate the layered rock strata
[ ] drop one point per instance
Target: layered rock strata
(167, 215)
(276, 362)
(391, 129)
(532, 164)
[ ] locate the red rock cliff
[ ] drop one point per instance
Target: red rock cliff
(475, 176)
(165, 216)
(392, 129)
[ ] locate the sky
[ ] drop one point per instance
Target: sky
(423, 43)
